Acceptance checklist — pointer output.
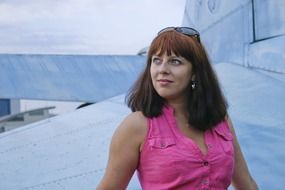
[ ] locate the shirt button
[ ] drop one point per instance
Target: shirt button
(162, 145)
(205, 163)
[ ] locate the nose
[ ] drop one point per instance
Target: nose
(163, 68)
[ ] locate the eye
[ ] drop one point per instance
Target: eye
(175, 61)
(156, 60)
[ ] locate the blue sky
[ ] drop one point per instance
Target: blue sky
(84, 26)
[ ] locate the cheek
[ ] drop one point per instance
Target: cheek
(188, 75)
(185, 79)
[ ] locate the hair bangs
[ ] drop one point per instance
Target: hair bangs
(172, 42)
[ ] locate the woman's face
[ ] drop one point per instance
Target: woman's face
(170, 76)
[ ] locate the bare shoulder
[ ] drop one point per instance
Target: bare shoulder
(124, 152)
(136, 117)
(135, 121)
(133, 127)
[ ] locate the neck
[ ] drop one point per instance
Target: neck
(179, 107)
(180, 113)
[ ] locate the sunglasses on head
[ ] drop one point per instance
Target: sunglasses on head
(183, 30)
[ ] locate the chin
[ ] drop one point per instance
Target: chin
(166, 96)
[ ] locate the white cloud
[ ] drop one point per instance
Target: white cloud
(86, 26)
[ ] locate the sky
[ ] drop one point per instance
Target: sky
(84, 26)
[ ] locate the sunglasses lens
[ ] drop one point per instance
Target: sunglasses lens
(188, 31)
(183, 30)
(165, 30)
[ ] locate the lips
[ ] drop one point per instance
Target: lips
(164, 81)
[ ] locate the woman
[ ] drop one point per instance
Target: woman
(179, 135)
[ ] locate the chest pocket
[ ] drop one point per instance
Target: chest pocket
(161, 142)
(225, 139)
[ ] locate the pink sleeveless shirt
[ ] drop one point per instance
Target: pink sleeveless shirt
(170, 160)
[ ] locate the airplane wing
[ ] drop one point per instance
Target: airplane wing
(63, 152)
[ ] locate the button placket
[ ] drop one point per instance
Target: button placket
(205, 184)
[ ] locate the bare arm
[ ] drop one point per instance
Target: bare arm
(242, 179)
(124, 153)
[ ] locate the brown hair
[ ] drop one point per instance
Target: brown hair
(206, 104)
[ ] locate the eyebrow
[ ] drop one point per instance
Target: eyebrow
(179, 57)
(170, 57)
